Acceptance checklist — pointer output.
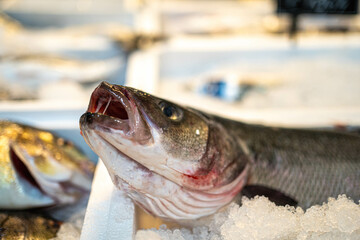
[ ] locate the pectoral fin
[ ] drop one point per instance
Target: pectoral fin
(273, 195)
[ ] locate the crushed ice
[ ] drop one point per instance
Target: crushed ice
(259, 218)
(71, 229)
(73, 220)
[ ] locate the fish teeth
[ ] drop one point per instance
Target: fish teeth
(100, 103)
(107, 105)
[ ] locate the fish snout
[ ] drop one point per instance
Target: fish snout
(86, 119)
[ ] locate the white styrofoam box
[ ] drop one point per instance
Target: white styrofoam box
(110, 214)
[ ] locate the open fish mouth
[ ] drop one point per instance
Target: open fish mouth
(113, 108)
(113, 111)
(114, 104)
(110, 104)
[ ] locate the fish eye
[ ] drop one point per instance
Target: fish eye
(170, 111)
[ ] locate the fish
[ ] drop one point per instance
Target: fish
(26, 225)
(39, 169)
(178, 163)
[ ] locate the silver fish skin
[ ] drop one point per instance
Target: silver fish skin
(179, 163)
(308, 165)
(39, 169)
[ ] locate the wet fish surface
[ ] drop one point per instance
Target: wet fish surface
(309, 165)
(180, 163)
(39, 169)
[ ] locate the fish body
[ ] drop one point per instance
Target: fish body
(180, 163)
(39, 169)
(308, 165)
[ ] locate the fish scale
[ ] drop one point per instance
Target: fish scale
(308, 165)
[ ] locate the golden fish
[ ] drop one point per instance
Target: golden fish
(39, 169)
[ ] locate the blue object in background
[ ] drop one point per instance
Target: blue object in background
(227, 88)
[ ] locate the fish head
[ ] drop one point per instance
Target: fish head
(39, 169)
(175, 162)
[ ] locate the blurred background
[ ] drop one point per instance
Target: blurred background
(286, 62)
